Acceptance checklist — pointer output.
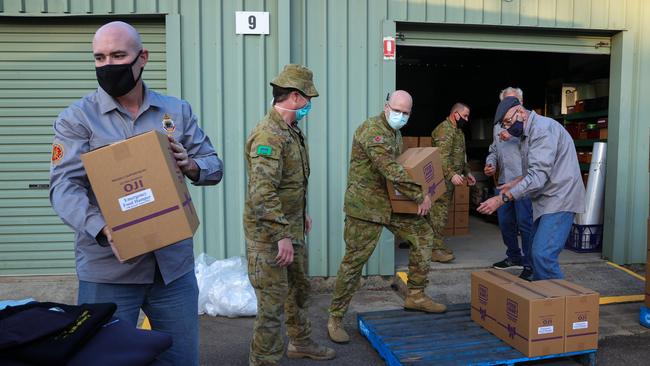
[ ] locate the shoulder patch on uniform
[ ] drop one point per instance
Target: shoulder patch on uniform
(57, 153)
(264, 150)
(378, 139)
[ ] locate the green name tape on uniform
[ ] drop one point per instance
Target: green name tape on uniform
(264, 150)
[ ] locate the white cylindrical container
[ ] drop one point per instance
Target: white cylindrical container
(595, 196)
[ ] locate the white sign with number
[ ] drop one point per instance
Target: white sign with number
(252, 22)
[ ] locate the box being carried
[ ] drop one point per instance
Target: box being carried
(424, 166)
(141, 193)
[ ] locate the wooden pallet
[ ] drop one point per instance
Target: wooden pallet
(415, 338)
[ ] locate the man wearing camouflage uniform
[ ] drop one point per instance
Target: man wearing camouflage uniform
(376, 145)
(449, 138)
(276, 222)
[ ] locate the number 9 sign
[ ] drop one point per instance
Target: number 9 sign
(252, 22)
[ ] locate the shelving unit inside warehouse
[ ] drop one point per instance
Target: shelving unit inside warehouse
(584, 108)
(586, 128)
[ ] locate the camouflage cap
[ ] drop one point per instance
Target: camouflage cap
(296, 77)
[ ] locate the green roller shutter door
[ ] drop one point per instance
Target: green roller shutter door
(44, 66)
(499, 39)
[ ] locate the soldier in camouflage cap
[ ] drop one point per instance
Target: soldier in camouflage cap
(375, 146)
(296, 77)
(276, 222)
(449, 138)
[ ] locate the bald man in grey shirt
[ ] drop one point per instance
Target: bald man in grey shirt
(551, 178)
(161, 283)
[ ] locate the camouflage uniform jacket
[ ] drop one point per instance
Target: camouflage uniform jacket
(278, 168)
(375, 147)
(451, 142)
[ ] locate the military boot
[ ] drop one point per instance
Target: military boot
(440, 255)
(310, 349)
(336, 331)
(418, 300)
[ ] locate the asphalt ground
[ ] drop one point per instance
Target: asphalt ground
(225, 341)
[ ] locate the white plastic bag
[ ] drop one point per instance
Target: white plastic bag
(224, 287)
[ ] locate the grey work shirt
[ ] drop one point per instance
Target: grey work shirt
(550, 164)
(505, 155)
(97, 120)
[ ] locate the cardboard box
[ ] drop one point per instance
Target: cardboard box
(423, 165)
(602, 134)
(461, 197)
(461, 219)
(484, 285)
(461, 207)
(484, 288)
(527, 317)
(141, 193)
(569, 97)
(410, 142)
(581, 314)
(425, 141)
(539, 315)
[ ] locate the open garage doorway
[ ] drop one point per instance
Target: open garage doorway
(438, 77)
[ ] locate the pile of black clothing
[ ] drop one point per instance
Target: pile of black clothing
(47, 333)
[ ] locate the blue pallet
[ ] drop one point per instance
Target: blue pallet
(414, 338)
(644, 316)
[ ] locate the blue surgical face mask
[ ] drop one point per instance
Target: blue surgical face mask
(300, 113)
(304, 111)
(517, 129)
(397, 120)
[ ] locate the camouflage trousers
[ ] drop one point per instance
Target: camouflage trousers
(278, 289)
(361, 238)
(438, 217)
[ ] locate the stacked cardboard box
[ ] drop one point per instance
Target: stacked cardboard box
(410, 141)
(537, 318)
(461, 210)
(458, 212)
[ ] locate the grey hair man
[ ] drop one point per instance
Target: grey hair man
(514, 217)
(512, 92)
(551, 178)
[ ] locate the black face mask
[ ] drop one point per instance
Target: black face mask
(517, 129)
(117, 80)
(460, 121)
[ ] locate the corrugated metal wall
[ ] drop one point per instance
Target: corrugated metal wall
(225, 77)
